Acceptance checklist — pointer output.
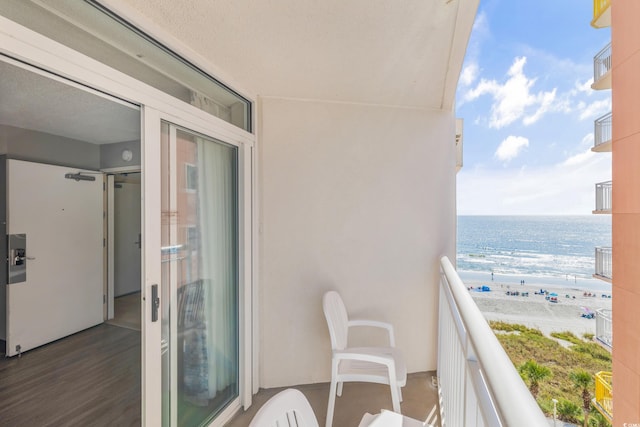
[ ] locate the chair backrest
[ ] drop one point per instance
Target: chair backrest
(289, 408)
(337, 319)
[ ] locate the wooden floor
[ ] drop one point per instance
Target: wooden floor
(91, 378)
(126, 312)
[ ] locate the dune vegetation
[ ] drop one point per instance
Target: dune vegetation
(566, 357)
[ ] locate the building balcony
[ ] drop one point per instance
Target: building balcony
(459, 138)
(603, 198)
(602, 134)
(602, 69)
(604, 328)
(604, 394)
(601, 14)
(604, 263)
(478, 384)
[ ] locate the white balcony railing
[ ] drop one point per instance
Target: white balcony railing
(459, 142)
(478, 384)
(602, 133)
(601, 69)
(603, 197)
(604, 263)
(604, 327)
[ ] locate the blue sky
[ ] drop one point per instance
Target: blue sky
(524, 94)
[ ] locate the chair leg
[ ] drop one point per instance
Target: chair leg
(331, 404)
(395, 398)
(400, 393)
(340, 388)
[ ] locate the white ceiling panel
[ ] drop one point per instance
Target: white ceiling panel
(33, 101)
(392, 52)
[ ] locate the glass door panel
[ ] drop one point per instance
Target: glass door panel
(200, 324)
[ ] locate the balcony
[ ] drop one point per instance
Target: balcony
(602, 69)
(604, 395)
(603, 198)
(603, 264)
(604, 328)
(601, 14)
(602, 134)
(478, 384)
(459, 138)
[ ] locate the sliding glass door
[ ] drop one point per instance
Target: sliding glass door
(200, 276)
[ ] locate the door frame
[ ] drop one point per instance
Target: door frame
(110, 233)
(29, 47)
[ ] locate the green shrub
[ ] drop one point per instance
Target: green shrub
(526, 344)
(568, 411)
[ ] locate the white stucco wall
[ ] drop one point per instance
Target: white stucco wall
(356, 198)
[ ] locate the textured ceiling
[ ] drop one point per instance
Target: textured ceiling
(32, 101)
(406, 52)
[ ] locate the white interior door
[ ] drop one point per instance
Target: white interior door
(127, 237)
(62, 221)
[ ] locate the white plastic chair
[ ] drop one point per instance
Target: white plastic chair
(390, 419)
(382, 365)
(289, 408)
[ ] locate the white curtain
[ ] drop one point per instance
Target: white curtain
(218, 260)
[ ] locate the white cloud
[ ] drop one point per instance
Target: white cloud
(585, 87)
(511, 147)
(469, 74)
(595, 109)
(481, 24)
(566, 187)
(513, 98)
(546, 100)
(579, 159)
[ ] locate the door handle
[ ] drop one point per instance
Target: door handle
(155, 303)
(18, 256)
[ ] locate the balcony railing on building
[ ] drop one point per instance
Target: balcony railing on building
(602, 69)
(604, 328)
(601, 13)
(604, 264)
(603, 198)
(459, 140)
(602, 134)
(478, 384)
(603, 401)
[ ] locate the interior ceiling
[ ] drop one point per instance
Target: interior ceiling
(32, 101)
(392, 52)
(387, 52)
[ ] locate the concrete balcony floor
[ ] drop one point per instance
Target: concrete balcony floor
(420, 399)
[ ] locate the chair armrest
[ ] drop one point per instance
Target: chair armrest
(375, 324)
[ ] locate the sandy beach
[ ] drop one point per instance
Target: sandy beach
(535, 311)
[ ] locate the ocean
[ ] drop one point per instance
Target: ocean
(541, 250)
